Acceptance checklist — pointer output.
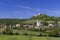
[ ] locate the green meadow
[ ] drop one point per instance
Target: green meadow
(21, 37)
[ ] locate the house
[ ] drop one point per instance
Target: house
(50, 25)
(5, 26)
(37, 27)
(27, 26)
(17, 25)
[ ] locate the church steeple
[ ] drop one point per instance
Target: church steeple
(38, 23)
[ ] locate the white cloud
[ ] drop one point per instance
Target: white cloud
(30, 8)
(38, 9)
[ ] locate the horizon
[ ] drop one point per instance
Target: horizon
(24, 9)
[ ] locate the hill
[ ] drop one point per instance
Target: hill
(11, 21)
(45, 17)
(42, 17)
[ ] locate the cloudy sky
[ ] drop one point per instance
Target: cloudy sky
(28, 8)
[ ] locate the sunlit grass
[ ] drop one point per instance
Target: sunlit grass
(21, 37)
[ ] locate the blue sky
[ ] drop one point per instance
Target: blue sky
(28, 8)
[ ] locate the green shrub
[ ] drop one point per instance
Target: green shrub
(8, 31)
(16, 33)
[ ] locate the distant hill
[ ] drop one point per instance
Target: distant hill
(45, 17)
(11, 21)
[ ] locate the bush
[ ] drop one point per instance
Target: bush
(4, 32)
(25, 34)
(17, 33)
(8, 31)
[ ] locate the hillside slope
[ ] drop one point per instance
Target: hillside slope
(45, 17)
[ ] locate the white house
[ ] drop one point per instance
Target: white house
(50, 25)
(17, 25)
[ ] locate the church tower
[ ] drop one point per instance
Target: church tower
(38, 23)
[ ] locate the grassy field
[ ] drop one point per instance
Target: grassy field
(21, 37)
(34, 20)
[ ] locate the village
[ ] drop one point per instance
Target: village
(37, 25)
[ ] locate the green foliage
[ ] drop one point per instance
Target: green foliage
(16, 33)
(11, 21)
(45, 23)
(8, 31)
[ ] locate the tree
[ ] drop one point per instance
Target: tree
(8, 31)
(45, 23)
